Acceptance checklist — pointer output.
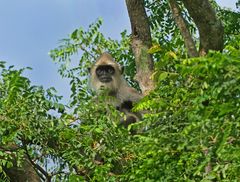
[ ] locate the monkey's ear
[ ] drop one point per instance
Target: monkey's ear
(122, 69)
(89, 69)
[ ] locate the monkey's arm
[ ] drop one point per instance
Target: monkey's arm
(130, 117)
(129, 94)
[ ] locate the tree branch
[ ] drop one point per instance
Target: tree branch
(141, 42)
(210, 28)
(36, 166)
(26, 172)
(181, 23)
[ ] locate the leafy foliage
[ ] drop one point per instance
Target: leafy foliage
(194, 120)
(165, 32)
(26, 122)
(190, 129)
(90, 44)
(190, 132)
(230, 20)
(166, 35)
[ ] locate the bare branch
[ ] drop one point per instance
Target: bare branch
(181, 23)
(210, 28)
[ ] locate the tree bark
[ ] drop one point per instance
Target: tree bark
(20, 174)
(210, 28)
(181, 23)
(141, 42)
(24, 173)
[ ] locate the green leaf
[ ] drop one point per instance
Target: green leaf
(163, 76)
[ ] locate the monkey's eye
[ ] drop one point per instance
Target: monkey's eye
(99, 71)
(111, 70)
(105, 69)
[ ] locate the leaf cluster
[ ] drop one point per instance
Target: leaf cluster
(193, 121)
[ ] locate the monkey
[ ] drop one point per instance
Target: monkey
(131, 117)
(106, 74)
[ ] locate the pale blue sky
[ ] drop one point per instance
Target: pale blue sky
(31, 28)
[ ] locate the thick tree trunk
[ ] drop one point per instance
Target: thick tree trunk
(24, 173)
(210, 28)
(141, 42)
(20, 174)
(181, 23)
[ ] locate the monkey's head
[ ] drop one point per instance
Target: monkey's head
(106, 74)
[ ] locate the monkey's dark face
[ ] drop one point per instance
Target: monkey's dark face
(105, 73)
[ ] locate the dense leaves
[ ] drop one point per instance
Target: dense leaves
(26, 122)
(190, 130)
(194, 120)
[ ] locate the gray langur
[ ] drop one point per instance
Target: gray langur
(106, 74)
